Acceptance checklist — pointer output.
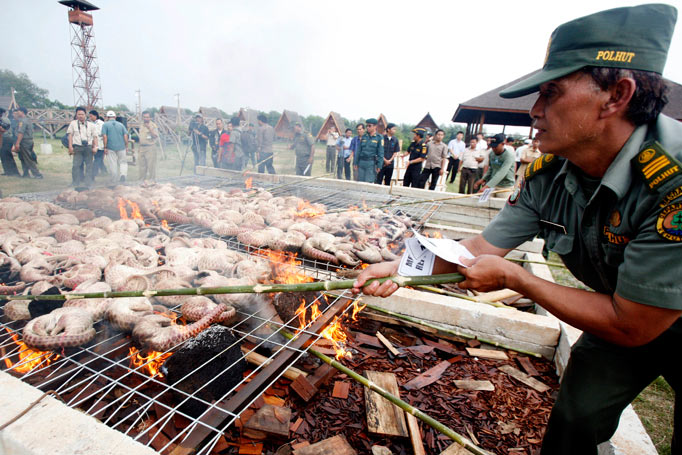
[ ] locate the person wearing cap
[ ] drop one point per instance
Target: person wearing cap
(198, 132)
(391, 149)
(501, 167)
(606, 195)
(82, 148)
(265, 137)
(23, 144)
(149, 135)
(9, 166)
(304, 148)
(416, 153)
(435, 162)
(370, 153)
(115, 137)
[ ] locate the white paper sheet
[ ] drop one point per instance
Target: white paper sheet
(417, 259)
(447, 249)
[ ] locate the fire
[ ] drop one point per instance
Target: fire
(335, 333)
(164, 224)
(307, 210)
(29, 358)
(356, 309)
(249, 183)
(122, 209)
(136, 214)
(285, 267)
(149, 364)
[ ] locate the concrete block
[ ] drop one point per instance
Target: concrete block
(54, 428)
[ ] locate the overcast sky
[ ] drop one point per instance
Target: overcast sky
(402, 58)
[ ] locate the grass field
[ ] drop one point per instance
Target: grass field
(654, 405)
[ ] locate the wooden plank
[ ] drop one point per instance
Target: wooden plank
(257, 359)
(487, 354)
(361, 338)
(455, 449)
(332, 446)
(383, 417)
(428, 377)
(322, 375)
(388, 344)
(303, 388)
(415, 435)
(471, 384)
(273, 400)
(341, 389)
(299, 445)
(251, 448)
(272, 420)
(527, 365)
(524, 378)
(443, 347)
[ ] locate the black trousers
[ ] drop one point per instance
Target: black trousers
(99, 163)
(385, 175)
(453, 166)
(9, 166)
(265, 161)
(600, 380)
(433, 174)
(342, 166)
(467, 179)
(82, 169)
(413, 175)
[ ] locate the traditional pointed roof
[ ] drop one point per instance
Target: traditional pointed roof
(428, 122)
(285, 124)
(333, 119)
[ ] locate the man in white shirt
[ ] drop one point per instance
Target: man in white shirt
(481, 143)
(455, 149)
(98, 164)
(468, 167)
(82, 147)
(332, 137)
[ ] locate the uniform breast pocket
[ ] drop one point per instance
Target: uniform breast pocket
(559, 242)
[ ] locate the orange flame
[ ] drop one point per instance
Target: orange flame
(164, 223)
(122, 209)
(149, 364)
(307, 210)
(136, 214)
(29, 358)
(249, 183)
(335, 333)
(285, 267)
(356, 309)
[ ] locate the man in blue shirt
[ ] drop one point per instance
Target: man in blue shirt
(344, 154)
(115, 139)
(355, 145)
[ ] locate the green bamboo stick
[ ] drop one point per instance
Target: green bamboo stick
(449, 331)
(405, 406)
(547, 263)
(250, 289)
(461, 296)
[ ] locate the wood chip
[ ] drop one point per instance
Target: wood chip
(251, 448)
(273, 400)
(322, 375)
(383, 417)
(341, 389)
(272, 420)
(388, 344)
(443, 347)
(487, 354)
(294, 426)
(361, 338)
(470, 384)
(332, 446)
(524, 378)
(455, 449)
(303, 388)
(527, 365)
(428, 377)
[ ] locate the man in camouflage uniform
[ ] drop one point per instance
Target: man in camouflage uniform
(607, 198)
(304, 148)
(23, 144)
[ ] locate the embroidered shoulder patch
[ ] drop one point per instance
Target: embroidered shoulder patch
(669, 222)
(671, 196)
(655, 165)
(516, 193)
(540, 165)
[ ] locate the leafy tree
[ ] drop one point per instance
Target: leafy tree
(313, 123)
(27, 93)
(120, 107)
(273, 117)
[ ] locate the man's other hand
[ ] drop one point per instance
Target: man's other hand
(485, 273)
(379, 270)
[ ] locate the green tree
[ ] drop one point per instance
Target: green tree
(120, 107)
(313, 123)
(27, 93)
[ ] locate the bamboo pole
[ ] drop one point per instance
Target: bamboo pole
(405, 406)
(462, 296)
(314, 286)
(547, 263)
(448, 331)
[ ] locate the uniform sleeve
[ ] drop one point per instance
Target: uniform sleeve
(650, 271)
(379, 159)
(519, 219)
(424, 152)
(21, 128)
(501, 173)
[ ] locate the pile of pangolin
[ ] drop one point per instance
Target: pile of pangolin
(44, 245)
(261, 220)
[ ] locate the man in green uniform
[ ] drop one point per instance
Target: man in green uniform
(370, 153)
(607, 197)
(23, 144)
(304, 148)
(501, 166)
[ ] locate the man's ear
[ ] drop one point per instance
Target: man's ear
(620, 95)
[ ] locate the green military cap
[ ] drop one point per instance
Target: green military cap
(635, 38)
(371, 121)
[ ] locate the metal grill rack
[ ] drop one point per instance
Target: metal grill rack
(99, 380)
